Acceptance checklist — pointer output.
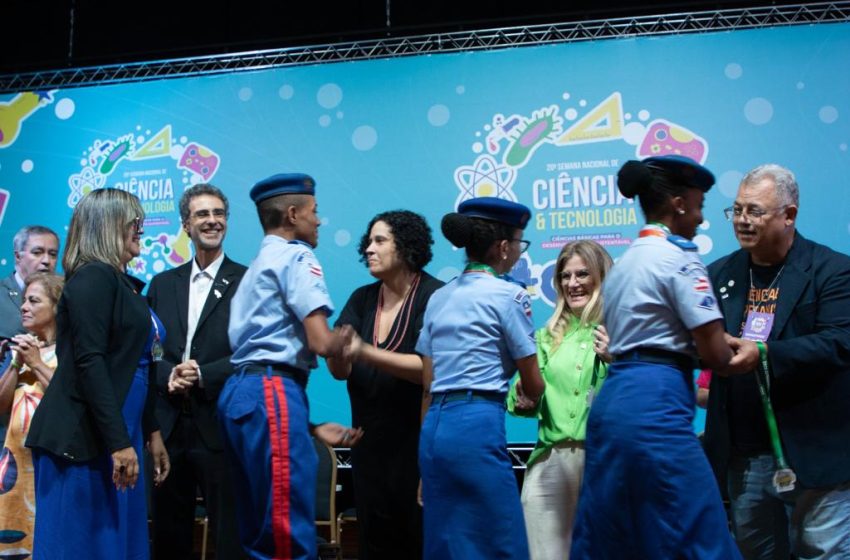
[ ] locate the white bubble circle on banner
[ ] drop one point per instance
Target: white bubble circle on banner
(758, 110)
(438, 115)
(329, 96)
(364, 138)
(65, 109)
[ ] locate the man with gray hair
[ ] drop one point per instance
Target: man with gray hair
(36, 250)
(778, 436)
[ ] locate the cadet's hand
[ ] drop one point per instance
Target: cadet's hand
(340, 338)
(600, 344)
(523, 403)
(351, 351)
(745, 358)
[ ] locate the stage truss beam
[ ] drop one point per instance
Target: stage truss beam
(488, 39)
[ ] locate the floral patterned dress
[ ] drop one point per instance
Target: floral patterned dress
(17, 483)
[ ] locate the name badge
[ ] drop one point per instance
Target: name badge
(156, 351)
(758, 326)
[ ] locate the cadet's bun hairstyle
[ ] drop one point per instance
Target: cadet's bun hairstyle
(634, 178)
(457, 228)
(476, 235)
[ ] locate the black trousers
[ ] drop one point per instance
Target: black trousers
(194, 467)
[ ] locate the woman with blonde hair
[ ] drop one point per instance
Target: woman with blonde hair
(572, 351)
(87, 433)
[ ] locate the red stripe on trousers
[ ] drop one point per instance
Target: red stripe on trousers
(279, 439)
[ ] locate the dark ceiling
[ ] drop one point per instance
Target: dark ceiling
(72, 33)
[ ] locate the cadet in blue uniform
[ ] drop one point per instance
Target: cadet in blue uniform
(648, 491)
(278, 323)
(477, 332)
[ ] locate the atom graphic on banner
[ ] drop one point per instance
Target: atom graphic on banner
(485, 177)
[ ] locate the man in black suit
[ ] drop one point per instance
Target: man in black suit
(789, 300)
(193, 302)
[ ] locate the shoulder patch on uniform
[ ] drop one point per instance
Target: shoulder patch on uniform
(708, 302)
(524, 300)
(308, 259)
(682, 243)
(693, 269)
(701, 284)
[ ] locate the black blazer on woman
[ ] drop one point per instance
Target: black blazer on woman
(102, 324)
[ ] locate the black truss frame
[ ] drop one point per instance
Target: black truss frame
(487, 39)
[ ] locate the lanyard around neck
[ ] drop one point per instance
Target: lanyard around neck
(480, 267)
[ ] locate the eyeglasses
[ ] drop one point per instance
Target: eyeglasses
(523, 244)
(218, 213)
(138, 225)
(753, 213)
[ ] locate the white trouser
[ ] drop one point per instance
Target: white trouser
(550, 498)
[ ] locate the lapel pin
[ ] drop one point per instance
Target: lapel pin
(217, 294)
(731, 283)
(225, 280)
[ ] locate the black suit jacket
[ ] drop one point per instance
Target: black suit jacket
(102, 325)
(809, 356)
(168, 295)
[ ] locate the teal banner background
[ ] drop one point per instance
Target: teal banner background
(547, 126)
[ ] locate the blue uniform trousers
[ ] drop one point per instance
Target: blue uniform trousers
(648, 490)
(471, 507)
(264, 420)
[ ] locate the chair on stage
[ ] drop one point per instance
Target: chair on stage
(329, 548)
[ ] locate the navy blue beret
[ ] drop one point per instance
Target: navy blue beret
(497, 210)
(283, 183)
(687, 169)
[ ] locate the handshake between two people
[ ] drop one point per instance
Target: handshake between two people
(745, 356)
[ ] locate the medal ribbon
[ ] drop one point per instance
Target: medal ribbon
(654, 229)
(762, 377)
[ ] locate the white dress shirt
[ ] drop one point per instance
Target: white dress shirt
(200, 283)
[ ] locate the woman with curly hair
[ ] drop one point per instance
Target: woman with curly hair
(572, 351)
(385, 382)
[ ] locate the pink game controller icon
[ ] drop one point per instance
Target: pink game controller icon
(664, 138)
(200, 160)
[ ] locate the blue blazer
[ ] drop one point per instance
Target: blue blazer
(809, 356)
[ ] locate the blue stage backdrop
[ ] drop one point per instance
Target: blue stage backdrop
(547, 126)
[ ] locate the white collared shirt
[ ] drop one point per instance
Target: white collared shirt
(200, 283)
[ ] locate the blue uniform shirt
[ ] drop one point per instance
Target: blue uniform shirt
(282, 286)
(475, 327)
(655, 295)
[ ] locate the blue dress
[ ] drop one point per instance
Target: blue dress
(80, 513)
